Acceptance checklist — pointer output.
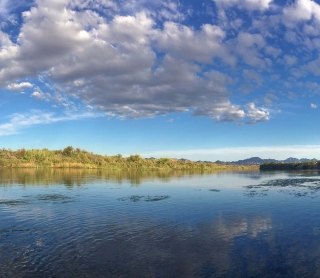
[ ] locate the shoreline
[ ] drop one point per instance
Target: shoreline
(290, 166)
(207, 169)
(76, 158)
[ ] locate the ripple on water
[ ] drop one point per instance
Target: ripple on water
(214, 190)
(184, 236)
(12, 202)
(53, 197)
(148, 198)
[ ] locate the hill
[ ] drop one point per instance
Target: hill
(260, 161)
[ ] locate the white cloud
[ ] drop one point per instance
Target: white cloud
(138, 58)
(252, 76)
(313, 105)
(170, 11)
(184, 42)
(4, 7)
(36, 94)
(290, 60)
(130, 66)
(114, 65)
(246, 4)
(19, 86)
(93, 4)
(43, 96)
(249, 46)
(302, 10)
(18, 122)
(257, 114)
(313, 67)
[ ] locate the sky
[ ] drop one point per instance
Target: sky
(210, 80)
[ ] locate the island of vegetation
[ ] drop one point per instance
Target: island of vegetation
(311, 165)
(71, 157)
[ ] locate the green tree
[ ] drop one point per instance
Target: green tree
(68, 151)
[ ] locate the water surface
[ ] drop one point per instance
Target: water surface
(111, 224)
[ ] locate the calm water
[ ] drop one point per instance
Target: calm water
(95, 224)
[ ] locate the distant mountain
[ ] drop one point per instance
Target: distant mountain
(259, 161)
(297, 160)
(291, 160)
(254, 160)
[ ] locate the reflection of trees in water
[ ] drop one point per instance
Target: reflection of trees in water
(77, 177)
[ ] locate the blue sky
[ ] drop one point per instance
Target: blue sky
(214, 79)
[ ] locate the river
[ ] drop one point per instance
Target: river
(76, 223)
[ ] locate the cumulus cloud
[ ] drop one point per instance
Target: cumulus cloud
(93, 4)
(257, 114)
(127, 60)
(302, 10)
(42, 96)
(113, 64)
(19, 86)
(36, 94)
(247, 4)
(184, 42)
(248, 48)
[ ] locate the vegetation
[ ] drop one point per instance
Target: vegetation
(312, 165)
(76, 158)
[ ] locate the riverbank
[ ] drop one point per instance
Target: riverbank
(80, 159)
(314, 165)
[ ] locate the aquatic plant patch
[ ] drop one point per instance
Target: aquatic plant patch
(137, 198)
(298, 187)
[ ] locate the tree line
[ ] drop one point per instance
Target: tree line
(71, 157)
(314, 165)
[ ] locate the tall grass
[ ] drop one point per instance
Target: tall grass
(71, 157)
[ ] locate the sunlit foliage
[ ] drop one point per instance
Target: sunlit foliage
(71, 157)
